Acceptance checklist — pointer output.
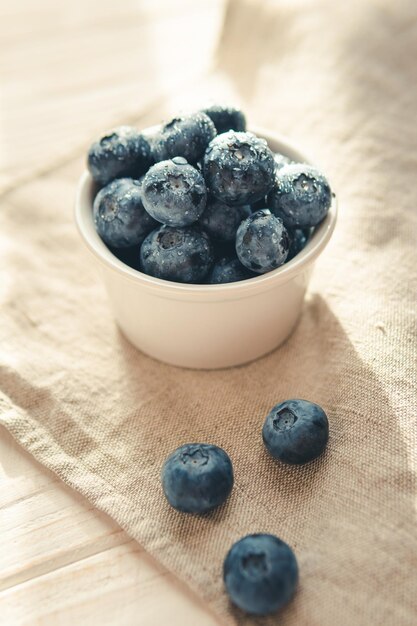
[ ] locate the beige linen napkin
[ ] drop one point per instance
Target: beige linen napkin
(341, 79)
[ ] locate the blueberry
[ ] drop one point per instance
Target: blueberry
(221, 221)
(281, 160)
(174, 192)
(187, 136)
(119, 215)
(151, 135)
(260, 573)
(239, 168)
(223, 249)
(259, 204)
(298, 239)
(262, 242)
(120, 153)
(226, 118)
(179, 254)
(197, 477)
(301, 196)
(128, 256)
(296, 431)
(228, 270)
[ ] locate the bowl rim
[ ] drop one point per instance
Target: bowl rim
(279, 143)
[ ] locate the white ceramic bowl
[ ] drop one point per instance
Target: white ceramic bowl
(205, 326)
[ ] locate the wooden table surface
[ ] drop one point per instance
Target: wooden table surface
(69, 71)
(63, 562)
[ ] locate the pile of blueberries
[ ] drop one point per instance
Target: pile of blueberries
(200, 200)
(260, 571)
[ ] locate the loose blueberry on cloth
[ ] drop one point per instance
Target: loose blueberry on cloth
(182, 255)
(174, 192)
(119, 215)
(120, 153)
(260, 574)
(197, 477)
(296, 431)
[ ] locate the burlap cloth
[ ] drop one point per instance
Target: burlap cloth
(341, 79)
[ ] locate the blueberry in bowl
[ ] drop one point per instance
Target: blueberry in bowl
(221, 221)
(298, 241)
(197, 477)
(226, 117)
(176, 254)
(262, 242)
(301, 196)
(174, 193)
(260, 574)
(239, 168)
(119, 215)
(281, 160)
(119, 153)
(186, 136)
(228, 270)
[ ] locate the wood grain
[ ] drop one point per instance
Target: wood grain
(63, 562)
(67, 73)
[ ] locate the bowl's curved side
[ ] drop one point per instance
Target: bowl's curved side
(205, 326)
